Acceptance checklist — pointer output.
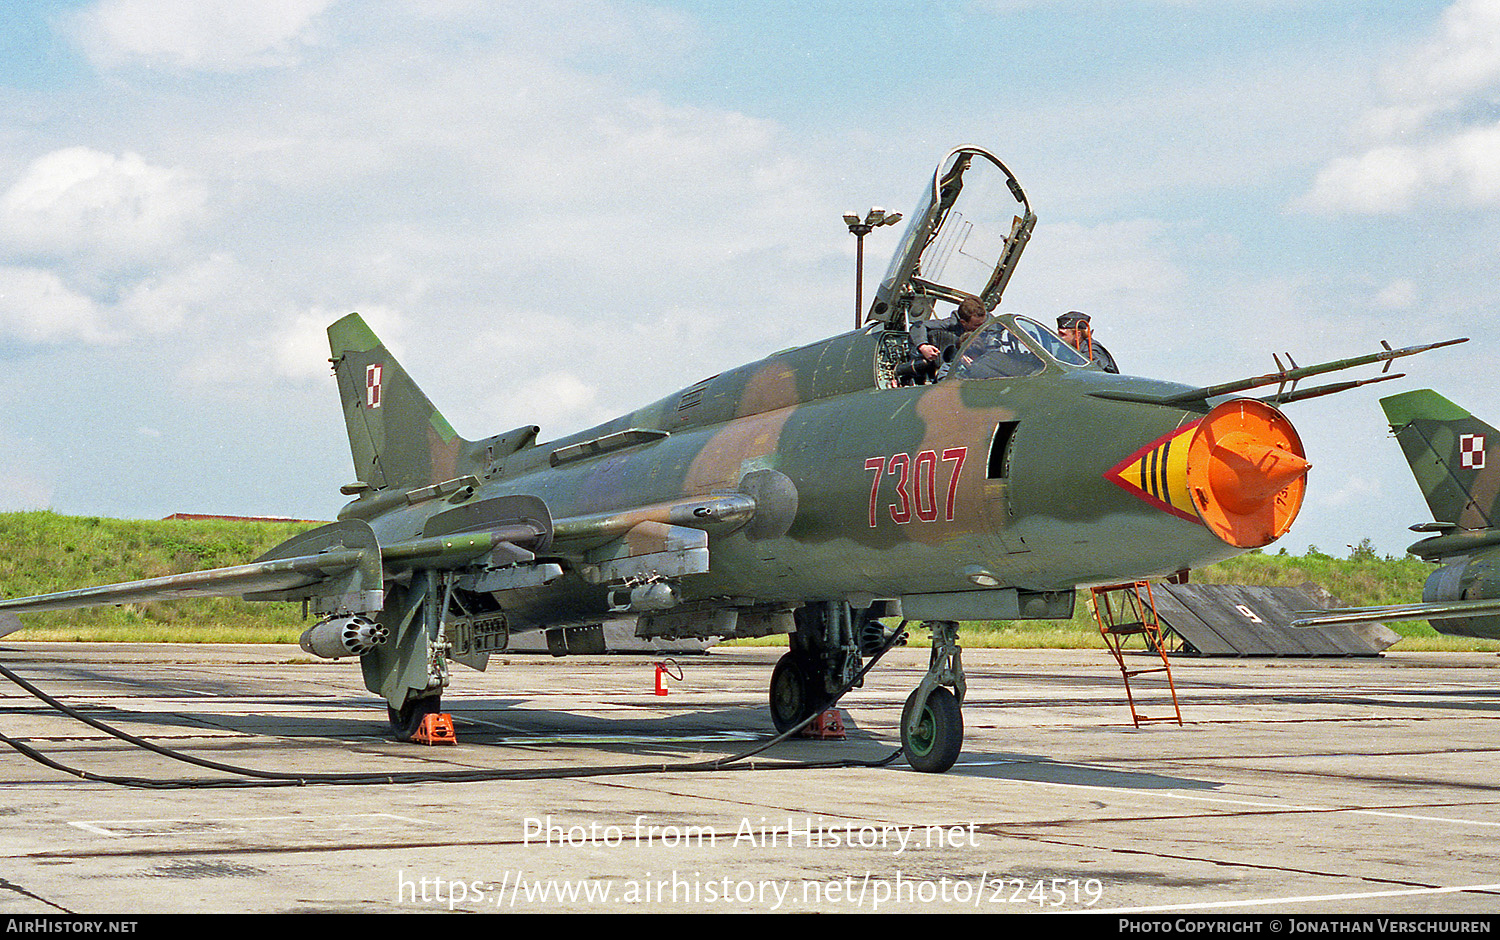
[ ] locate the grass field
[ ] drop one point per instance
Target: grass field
(42, 552)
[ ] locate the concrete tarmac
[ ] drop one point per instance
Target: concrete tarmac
(1292, 786)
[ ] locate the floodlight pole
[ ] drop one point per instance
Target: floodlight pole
(859, 228)
(860, 231)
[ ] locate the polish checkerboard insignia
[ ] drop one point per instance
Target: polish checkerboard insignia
(1471, 451)
(372, 386)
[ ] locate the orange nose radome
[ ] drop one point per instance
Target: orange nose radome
(1246, 473)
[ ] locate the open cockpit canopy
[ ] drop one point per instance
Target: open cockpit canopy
(964, 239)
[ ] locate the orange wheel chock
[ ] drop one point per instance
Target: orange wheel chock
(828, 726)
(435, 729)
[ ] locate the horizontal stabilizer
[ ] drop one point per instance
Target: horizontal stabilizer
(1441, 610)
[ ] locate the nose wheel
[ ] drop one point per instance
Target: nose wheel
(932, 730)
(932, 723)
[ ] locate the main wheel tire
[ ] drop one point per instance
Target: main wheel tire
(406, 720)
(934, 745)
(795, 692)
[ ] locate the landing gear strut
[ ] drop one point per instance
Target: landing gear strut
(932, 723)
(823, 658)
(410, 670)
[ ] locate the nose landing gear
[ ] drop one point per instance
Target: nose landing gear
(932, 723)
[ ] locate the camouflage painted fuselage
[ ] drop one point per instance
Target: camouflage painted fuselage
(884, 492)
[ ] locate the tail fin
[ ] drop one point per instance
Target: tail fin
(399, 440)
(1448, 450)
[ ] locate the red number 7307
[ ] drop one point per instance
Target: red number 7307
(916, 484)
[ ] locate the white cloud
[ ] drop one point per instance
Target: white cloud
(278, 347)
(1385, 179)
(215, 35)
(1110, 271)
(195, 292)
(1460, 168)
(1426, 143)
(559, 400)
(484, 189)
(1463, 58)
(1400, 294)
(472, 187)
(300, 350)
(37, 307)
(119, 208)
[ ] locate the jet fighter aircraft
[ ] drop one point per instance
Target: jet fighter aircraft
(805, 494)
(1455, 458)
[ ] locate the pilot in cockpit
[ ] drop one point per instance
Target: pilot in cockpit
(933, 340)
(995, 353)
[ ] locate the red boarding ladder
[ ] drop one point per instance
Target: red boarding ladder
(1132, 613)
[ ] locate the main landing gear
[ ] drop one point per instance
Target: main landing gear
(408, 718)
(825, 656)
(796, 690)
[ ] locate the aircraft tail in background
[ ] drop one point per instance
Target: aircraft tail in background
(1454, 456)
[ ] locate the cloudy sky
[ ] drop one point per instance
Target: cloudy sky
(557, 212)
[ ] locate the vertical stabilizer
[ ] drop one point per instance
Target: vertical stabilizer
(398, 439)
(1454, 456)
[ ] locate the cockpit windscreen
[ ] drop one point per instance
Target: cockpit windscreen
(995, 352)
(1051, 343)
